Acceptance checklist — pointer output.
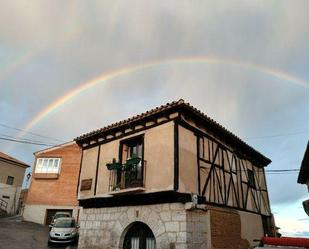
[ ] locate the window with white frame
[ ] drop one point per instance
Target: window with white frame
(47, 165)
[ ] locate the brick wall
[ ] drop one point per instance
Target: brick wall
(226, 230)
(62, 190)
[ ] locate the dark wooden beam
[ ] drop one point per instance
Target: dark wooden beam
(96, 172)
(176, 156)
(80, 169)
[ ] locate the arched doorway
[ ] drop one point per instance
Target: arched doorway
(139, 236)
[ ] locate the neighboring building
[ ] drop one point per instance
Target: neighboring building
(12, 173)
(303, 177)
(197, 185)
(53, 185)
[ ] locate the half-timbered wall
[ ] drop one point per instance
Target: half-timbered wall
(223, 177)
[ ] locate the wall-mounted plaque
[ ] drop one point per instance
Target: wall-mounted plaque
(86, 184)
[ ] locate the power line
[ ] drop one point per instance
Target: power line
(29, 132)
(31, 142)
(281, 170)
(25, 141)
(279, 135)
(282, 173)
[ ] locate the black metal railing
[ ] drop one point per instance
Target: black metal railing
(130, 177)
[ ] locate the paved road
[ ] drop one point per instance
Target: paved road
(16, 234)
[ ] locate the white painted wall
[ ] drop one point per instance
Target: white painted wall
(13, 192)
(37, 213)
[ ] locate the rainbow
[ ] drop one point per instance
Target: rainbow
(24, 58)
(133, 68)
(21, 60)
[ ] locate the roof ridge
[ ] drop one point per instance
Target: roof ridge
(135, 117)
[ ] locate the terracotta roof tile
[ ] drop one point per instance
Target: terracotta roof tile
(132, 119)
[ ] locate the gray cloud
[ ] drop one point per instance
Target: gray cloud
(50, 48)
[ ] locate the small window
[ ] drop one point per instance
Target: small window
(10, 180)
(251, 181)
(47, 165)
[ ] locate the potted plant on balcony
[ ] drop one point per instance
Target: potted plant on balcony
(114, 165)
(132, 162)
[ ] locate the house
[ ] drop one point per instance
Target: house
(303, 176)
(54, 182)
(171, 178)
(12, 173)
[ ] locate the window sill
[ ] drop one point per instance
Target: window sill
(127, 191)
(46, 175)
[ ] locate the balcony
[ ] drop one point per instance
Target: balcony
(127, 178)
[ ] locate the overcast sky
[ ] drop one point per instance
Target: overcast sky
(243, 63)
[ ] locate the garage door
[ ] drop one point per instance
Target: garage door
(51, 212)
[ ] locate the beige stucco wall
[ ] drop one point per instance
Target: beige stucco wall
(188, 172)
(11, 169)
(88, 170)
(251, 227)
(108, 152)
(158, 156)
(37, 213)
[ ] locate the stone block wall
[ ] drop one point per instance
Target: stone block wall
(173, 226)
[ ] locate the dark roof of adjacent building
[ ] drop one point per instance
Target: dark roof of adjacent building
(304, 168)
(180, 105)
(8, 158)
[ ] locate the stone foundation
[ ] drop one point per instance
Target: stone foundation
(174, 226)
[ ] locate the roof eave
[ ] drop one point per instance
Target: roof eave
(24, 165)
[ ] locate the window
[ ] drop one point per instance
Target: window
(133, 148)
(47, 165)
(10, 180)
(251, 181)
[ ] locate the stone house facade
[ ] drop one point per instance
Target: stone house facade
(54, 183)
(171, 178)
